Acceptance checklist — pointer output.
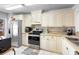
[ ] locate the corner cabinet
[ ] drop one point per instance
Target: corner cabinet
(68, 18)
(67, 49)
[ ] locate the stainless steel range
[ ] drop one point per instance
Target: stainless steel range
(34, 39)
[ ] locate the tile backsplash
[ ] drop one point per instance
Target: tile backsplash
(58, 29)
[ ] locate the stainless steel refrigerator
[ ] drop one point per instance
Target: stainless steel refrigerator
(16, 33)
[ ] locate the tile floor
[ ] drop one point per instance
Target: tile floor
(21, 49)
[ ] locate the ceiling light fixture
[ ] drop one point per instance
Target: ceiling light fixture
(14, 7)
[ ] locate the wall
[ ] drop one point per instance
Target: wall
(4, 16)
(57, 29)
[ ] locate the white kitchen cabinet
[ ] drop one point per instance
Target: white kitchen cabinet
(67, 49)
(51, 44)
(50, 19)
(43, 42)
(64, 47)
(27, 20)
(71, 50)
(48, 43)
(25, 39)
(68, 18)
(44, 20)
(77, 21)
(59, 44)
(36, 16)
(19, 17)
(58, 19)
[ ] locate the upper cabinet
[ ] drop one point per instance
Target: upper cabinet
(27, 20)
(36, 16)
(76, 9)
(44, 20)
(19, 17)
(58, 18)
(54, 18)
(68, 18)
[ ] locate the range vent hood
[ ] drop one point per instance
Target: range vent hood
(36, 16)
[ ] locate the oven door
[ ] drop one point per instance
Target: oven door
(34, 40)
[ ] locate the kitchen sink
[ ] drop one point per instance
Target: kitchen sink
(73, 40)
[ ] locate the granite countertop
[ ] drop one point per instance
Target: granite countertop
(60, 34)
(75, 47)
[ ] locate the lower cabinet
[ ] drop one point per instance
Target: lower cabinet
(67, 49)
(59, 44)
(48, 43)
(25, 39)
(51, 44)
(56, 44)
(43, 42)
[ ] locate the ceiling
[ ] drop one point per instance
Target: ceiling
(27, 9)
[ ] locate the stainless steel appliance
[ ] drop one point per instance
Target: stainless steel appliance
(17, 33)
(70, 31)
(34, 39)
(28, 29)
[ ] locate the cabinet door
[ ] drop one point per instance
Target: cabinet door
(51, 44)
(58, 20)
(51, 19)
(27, 19)
(68, 18)
(43, 42)
(64, 47)
(59, 44)
(77, 21)
(67, 49)
(25, 39)
(71, 50)
(44, 20)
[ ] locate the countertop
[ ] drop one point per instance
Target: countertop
(61, 34)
